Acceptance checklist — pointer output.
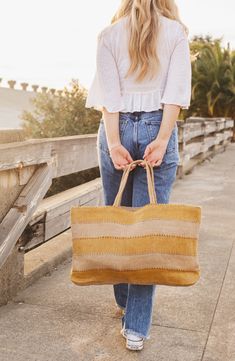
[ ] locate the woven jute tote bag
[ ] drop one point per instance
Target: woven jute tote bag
(152, 244)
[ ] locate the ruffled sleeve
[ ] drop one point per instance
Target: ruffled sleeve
(105, 88)
(178, 84)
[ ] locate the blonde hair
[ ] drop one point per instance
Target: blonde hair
(144, 24)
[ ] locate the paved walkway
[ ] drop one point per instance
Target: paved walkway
(55, 320)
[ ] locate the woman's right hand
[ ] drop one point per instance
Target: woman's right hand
(121, 157)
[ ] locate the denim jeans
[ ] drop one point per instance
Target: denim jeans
(136, 131)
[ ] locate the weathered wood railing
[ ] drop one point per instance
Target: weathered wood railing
(200, 138)
(26, 172)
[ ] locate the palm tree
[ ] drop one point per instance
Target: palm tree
(213, 88)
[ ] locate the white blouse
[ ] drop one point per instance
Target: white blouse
(172, 85)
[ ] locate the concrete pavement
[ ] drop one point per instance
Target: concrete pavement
(55, 320)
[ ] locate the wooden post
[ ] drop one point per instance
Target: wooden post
(12, 226)
(12, 84)
(181, 140)
(12, 272)
(35, 88)
(24, 86)
(12, 276)
(233, 138)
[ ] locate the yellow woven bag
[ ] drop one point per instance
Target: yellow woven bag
(153, 244)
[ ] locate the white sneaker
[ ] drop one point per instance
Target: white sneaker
(133, 342)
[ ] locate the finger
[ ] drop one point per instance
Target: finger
(133, 166)
(124, 165)
(117, 166)
(129, 158)
(157, 163)
(147, 151)
(147, 159)
(152, 160)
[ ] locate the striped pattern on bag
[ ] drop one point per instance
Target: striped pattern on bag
(126, 243)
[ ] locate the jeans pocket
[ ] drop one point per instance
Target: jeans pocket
(102, 138)
(153, 128)
(122, 127)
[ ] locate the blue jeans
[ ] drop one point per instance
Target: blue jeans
(136, 131)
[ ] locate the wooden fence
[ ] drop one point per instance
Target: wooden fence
(26, 172)
(201, 138)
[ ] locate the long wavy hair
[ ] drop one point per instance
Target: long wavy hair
(144, 24)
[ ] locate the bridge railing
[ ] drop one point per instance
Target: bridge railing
(200, 138)
(27, 169)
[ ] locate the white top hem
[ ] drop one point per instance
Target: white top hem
(134, 101)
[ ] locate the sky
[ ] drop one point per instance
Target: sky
(49, 42)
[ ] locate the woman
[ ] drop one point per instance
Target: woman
(142, 80)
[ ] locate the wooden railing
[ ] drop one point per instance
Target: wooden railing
(200, 138)
(26, 172)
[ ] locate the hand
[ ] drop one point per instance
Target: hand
(154, 152)
(121, 157)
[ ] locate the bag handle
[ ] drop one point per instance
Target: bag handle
(150, 181)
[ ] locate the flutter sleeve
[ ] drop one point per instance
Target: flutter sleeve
(178, 84)
(105, 88)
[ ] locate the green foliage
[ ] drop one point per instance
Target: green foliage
(213, 95)
(213, 79)
(61, 115)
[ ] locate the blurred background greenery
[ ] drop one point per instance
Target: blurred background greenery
(213, 95)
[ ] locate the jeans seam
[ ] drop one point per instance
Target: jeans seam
(123, 130)
(100, 144)
(148, 132)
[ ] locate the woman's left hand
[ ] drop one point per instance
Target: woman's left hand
(154, 152)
